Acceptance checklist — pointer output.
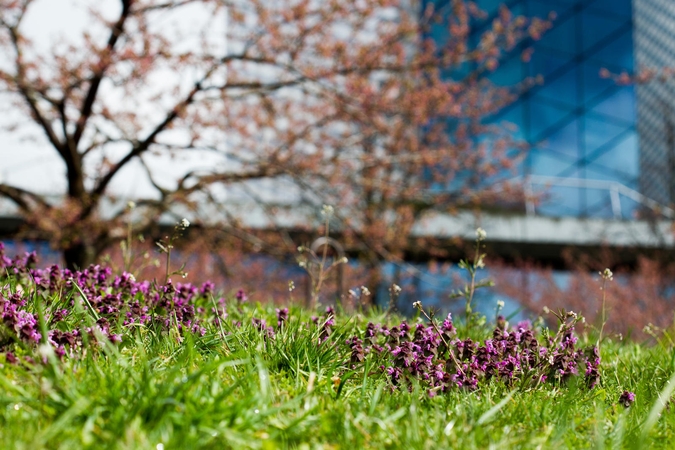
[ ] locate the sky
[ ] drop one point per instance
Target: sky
(28, 161)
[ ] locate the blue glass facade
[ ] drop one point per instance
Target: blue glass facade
(580, 126)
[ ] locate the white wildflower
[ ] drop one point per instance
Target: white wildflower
(184, 223)
(481, 234)
(327, 211)
(365, 291)
(607, 274)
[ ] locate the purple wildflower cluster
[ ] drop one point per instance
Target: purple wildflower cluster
(113, 304)
(325, 324)
(627, 398)
(94, 304)
(261, 326)
(441, 361)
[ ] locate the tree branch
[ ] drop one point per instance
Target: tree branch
(23, 86)
(104, 63)
(22, 197)
(142, 146)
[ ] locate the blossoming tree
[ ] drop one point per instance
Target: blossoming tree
(345, 102)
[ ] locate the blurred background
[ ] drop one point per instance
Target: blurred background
(548, 123)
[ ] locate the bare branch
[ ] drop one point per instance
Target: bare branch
(97, 77)
(27, 92)
(142, 146)
(22, 198)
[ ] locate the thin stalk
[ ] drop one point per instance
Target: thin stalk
(606, 276)
(472, 286)
(168, 262)
(317, 288)
(452, 355)
(127, 253)
(604, 311)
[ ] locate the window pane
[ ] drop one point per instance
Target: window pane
(617, 54)
(547, 163)
(542, 8)
(600, 133)
(564, 141)
(546, 119)
(622, 159)
(594, 86)
(620, 105)
(545, 63)
(562, 88)
(561, 37)
(596, 29)
(617, 7)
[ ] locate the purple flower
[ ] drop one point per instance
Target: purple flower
(447, 327)
(627, 398)
(207, 288)
(282, 316)
(261, 325)
(358, 353)
(241, 296)
(60, 314)
(10, 358)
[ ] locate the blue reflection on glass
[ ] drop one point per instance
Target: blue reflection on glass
(578, 124)
(620, 105)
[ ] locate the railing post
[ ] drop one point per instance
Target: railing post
(616, 201)
(529, 203)
(339, 249)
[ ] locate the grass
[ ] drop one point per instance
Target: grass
(235, 388)
(93, 360)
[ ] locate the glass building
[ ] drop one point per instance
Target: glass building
(598, 148)
(582, 128)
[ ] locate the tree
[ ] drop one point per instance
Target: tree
(346, 102)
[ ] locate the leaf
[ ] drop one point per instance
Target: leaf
(659, 405)
(495, 409)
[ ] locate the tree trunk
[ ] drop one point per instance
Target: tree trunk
(79, 256)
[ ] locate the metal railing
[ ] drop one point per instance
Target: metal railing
(614, 189)
(340, 251)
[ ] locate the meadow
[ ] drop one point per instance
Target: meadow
(94, 359)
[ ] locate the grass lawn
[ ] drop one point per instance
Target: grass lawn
(96, 360)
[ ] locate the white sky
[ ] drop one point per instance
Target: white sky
(31, 162)
(27, 159)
